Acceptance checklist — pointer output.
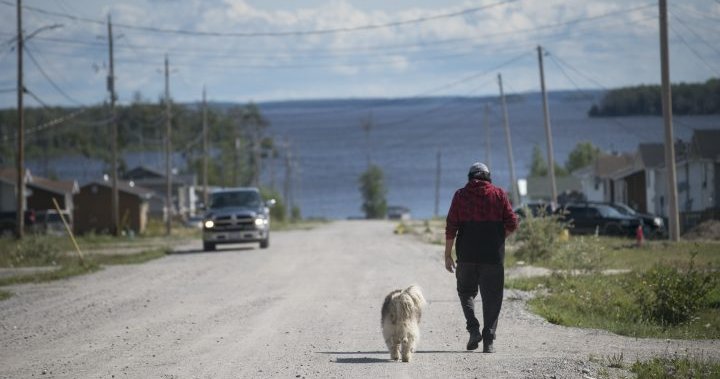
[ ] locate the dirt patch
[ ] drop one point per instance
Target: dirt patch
(708, 230)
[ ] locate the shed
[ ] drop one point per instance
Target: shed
(93, 211)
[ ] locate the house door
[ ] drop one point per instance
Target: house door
(636, 191)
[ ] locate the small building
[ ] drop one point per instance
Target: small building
(93, 212)
(39, 192)
(540, 188)
(184, 196)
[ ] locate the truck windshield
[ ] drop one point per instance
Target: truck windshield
(235, 199)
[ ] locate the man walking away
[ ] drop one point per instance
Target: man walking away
(481, 217)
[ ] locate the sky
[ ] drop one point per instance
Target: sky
(271, 50)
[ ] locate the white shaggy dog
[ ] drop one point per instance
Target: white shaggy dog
(401, 313)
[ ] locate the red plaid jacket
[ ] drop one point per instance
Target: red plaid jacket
(480, 216)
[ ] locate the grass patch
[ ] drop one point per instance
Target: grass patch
(610, 302)
(676, 367)
(69, 267)
(5, 295)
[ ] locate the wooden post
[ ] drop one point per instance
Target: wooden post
(69, 232)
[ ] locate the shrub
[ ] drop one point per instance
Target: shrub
(671, 296)
(540, 236)
(580, 255)
(32, 250)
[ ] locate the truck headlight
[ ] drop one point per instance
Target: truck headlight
(260, 221)
(209, 224)
(658, 221)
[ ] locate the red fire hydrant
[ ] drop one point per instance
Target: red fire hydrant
(639, 236)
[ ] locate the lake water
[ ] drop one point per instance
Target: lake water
(331, 149)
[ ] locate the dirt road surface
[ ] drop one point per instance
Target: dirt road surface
(309, 306)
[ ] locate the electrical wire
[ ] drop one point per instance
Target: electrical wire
(695, 52)
(49, 79)
(185, 32)
(700, 38)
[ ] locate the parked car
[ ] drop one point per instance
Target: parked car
(8, 222)
(653, 226)
(587, 218)
(194, 222)
(237, 215)
(396, 212)
(49, 222)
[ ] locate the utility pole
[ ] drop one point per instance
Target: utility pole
(206, 196)
(511, 160)
(438, 172)
(168, 153)
(674, 221)
(20, 217)
(548, 132)
(288, 178)
(486, 121)
(115, 211)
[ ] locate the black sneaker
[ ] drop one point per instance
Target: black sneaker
(488, 344)
(474, 341)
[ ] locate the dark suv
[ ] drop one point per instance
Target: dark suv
(601, 218)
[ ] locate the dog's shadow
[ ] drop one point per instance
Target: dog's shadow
(380, 360)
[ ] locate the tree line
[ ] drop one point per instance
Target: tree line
(687, 99)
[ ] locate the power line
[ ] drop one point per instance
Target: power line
(49, 79)
(692, 50)
(270, 34)
(683, 23)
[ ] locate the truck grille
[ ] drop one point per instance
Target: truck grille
(233, 223)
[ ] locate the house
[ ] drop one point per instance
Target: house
(637, 184)
(183, 190)
(93, 212)
(697, 172)
(596, 179)
(39, 192)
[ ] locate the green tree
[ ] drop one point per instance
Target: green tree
(538, 166)
(584, 154)
(372, 188)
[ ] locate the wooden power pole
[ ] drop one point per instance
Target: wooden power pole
(20, 185)
(673, 219)
(206, 152)
(513, 181)
(438, 173)
(115, 211)
(168, 153)
(548, 132)
(486, 121)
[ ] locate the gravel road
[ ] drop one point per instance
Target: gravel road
(309, 306)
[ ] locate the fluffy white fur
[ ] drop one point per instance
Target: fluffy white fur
(400, 316)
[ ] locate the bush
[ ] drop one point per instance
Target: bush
(373, 192)
(30, 251)
(581, 255)
(540, 236)
(671, 296)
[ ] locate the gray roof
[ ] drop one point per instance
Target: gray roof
(706, 144)
(652, 154)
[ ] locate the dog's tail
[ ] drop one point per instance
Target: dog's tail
(416, 295)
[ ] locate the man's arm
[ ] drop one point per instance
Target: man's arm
(449, 263)
(510, 219)
(451, 228)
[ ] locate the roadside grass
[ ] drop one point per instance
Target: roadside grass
(71, 266)
(610, 302)
(676, 367)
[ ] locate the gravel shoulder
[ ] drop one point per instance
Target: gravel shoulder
(309, 306)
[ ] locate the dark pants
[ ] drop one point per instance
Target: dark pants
(490, 279)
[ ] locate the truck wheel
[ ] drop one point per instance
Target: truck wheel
(264, 244)
(208, 246)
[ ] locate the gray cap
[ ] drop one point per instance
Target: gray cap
(479, 170)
